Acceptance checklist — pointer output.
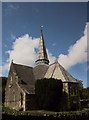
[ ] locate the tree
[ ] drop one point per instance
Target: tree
(85, 93)
(48, 92)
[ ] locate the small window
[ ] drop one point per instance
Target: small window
(21, 98)
(73, 91)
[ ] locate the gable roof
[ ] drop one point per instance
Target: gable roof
(29, 75)
(25, 73)
(30, 89)
(56, 71)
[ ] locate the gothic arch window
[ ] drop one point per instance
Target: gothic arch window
(73, 90)
(21, 99)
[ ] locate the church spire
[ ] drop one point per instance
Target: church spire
(42, 57)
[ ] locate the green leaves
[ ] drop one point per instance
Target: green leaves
(48, 92)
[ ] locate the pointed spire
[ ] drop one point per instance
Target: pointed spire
(42, 57)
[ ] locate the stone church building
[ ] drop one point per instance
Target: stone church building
(20, 88)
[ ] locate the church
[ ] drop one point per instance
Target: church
(20, 87)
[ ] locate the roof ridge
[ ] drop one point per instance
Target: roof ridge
(22, 65)
(63, 69)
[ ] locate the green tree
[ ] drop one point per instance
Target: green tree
(85, 93)
(48, 92)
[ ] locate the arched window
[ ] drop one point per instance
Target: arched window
(21, 99)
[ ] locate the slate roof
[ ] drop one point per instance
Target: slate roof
(29, 75)
(40, 71)
(25, 73)
(56, 71)
(30, 89)
(26, 76)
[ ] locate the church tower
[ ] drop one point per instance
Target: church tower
(42, 57)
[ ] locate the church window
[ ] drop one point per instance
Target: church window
(73, 91)
(21, 98)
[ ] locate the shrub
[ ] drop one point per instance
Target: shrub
(48, 92)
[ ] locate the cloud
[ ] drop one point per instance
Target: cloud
(10, 8)
(77, 53)
(51, 57)
(54, 44)
(23, 51)
(88, 41)
(13, 37)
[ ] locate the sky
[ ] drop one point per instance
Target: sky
(65, 35)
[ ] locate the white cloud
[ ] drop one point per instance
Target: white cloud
(10, 8)
(77, 53)
(24, 52)
(13, 37)
(54, 44)
(88, 41)
(51, 57)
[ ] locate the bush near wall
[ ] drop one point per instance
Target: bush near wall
(49, 93)
(45, 115)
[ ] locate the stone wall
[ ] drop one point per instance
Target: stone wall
(13, 92)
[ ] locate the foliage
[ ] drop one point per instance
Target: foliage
(85, 93)
(6, 110)
(45, 115)
(48, 92)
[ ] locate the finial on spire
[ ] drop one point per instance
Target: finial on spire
(41, 28)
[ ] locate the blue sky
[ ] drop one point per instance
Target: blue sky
(64, 24)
